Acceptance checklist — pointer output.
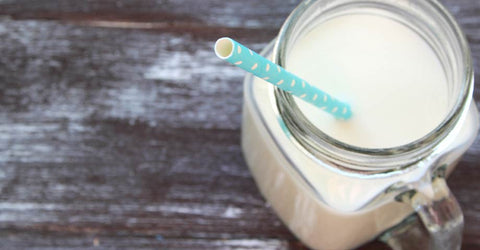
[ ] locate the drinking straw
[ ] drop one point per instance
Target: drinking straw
(246, 59)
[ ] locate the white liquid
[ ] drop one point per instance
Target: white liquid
(325, 207)
(388, 74)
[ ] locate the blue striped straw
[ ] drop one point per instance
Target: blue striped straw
(243, 57)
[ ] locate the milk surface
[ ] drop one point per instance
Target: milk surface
(391, 77)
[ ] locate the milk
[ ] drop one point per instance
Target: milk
(390, 76)
(323, 206)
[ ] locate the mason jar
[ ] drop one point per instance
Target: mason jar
(333, 195)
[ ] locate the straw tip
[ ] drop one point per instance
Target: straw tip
(224, 47)
(346, 114)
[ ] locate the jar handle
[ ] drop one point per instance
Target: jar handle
(440, 213)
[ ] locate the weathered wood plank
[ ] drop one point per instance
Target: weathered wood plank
(246, 13)
(60, 240)
(146, 143)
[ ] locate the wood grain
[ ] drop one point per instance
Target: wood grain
(119, 128)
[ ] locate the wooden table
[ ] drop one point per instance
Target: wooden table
(117, 130)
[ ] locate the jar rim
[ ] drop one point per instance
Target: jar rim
(318, 142)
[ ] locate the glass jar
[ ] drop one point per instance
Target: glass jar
(333, 195)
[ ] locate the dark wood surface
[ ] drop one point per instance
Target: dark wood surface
(120, 129)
